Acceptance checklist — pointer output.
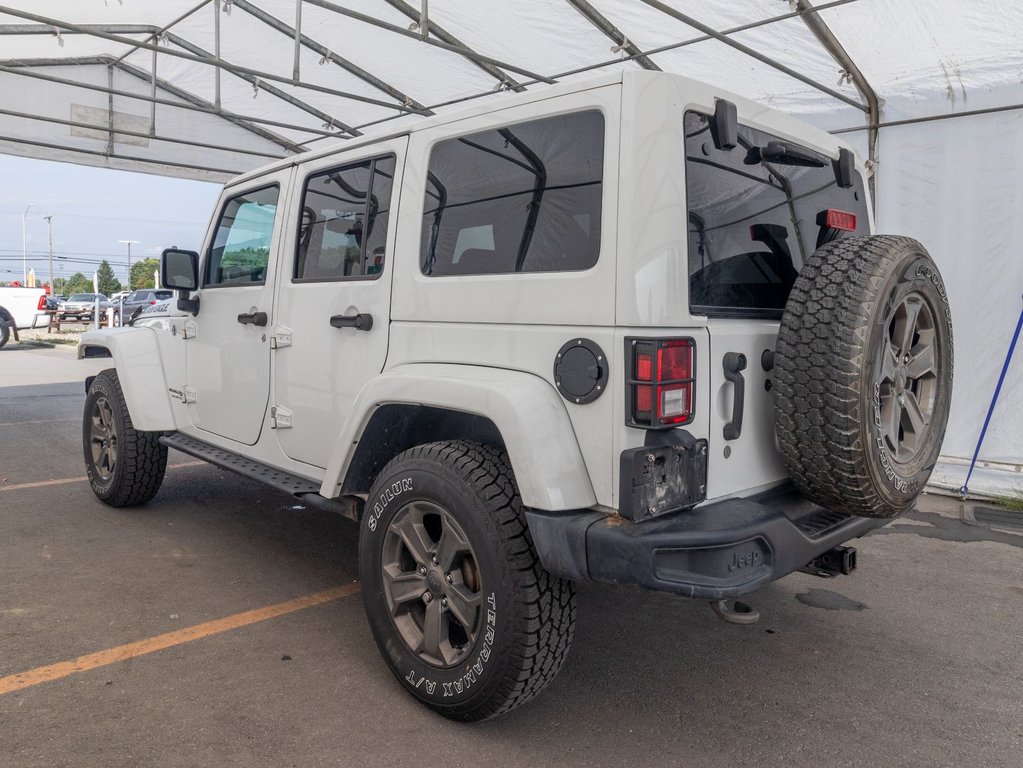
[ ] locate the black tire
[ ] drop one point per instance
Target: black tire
(5, 333)
(860, 404)
(526, 617)
(128, 468)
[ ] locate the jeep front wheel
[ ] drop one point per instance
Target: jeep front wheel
(459, 604)
(125, 466)
(863, 374)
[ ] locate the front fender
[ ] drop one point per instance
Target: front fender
(136, 355)
(530, 415)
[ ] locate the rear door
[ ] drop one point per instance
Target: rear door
(335, 294)
(228, 346)
(752, 225)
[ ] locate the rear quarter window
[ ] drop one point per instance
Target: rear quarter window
(522, 198)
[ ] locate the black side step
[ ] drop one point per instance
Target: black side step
(308, 491)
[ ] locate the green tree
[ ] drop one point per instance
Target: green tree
(142, 274)
(78, 283)
(108, 284)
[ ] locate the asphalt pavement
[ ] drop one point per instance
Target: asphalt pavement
(221, 625)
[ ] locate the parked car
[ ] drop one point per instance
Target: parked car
(633, 330)
(82, 306)
(18, 309)
(53, 303)
(136, 301)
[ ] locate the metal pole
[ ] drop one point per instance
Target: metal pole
(49, 231)
(129, 244)
(24, 244)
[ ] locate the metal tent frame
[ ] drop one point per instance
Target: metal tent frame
(308, 120)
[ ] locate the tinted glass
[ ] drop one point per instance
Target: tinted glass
(343, 228)
(525, 198)
(241, 247)
(753, 222)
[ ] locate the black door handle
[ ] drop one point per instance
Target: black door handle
(360, 322)
(734, 363)
(253, 318)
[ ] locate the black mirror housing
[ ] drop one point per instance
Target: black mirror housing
(724, 127)
(179, 269)
(845, 168)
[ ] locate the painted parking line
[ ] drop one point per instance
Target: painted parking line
(82, 479)
(37, 421)
(31, 677)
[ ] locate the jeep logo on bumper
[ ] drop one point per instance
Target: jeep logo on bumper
(741, 561)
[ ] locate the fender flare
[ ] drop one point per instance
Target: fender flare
(136, 355)
(530, 415)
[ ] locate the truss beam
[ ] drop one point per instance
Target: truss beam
(622, 43)
(96, 30)
(274, 23)
(456, 45)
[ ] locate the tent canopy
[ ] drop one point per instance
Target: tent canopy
(209, 88)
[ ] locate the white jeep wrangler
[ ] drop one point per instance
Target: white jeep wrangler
(632, 330)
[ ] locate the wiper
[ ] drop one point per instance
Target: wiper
(783, 154)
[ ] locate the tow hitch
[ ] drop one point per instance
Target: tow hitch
(838, 561)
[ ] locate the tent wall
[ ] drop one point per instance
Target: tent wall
(954, 185)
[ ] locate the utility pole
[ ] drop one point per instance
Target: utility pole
(24, 246)
(49, 232)
(129, 243)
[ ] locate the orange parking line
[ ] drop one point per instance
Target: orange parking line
(51, 672)
(83, 478)
(37, 421)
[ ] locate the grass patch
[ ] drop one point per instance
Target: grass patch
(1014, 503)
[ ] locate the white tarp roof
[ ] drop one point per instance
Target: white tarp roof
(238, 82)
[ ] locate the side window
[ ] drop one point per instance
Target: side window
(524, 198)
(241, 247)
(343, 227)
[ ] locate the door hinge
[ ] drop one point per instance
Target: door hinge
(281, 337)
(280, 418)
(189, 330)
(188, 395)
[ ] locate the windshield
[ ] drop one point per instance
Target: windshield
(83, 297)
(756, 213)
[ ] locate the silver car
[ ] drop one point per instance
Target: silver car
(81, 306)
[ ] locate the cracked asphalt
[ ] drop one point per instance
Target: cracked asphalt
(914, 660)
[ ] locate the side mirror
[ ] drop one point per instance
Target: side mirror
(180, 270)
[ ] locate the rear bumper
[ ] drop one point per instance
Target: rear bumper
(715, 551)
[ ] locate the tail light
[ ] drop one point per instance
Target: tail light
(660, 382)
(153, 301)
(42, 303)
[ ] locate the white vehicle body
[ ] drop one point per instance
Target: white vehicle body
(328, 382)
(20, 306)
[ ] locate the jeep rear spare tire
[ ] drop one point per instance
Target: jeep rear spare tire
(461, 608)
(863, 375)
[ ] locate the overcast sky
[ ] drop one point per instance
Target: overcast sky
(92, 209)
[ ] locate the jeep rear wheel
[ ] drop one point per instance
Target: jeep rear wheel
(125, 466)
(863, 374)
(459, 604)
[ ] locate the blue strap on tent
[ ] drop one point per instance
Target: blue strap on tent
(994, 399)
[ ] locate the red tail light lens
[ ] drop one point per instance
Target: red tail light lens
(42, 303)
(153, 301)
(836, 219)
(660, 382)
